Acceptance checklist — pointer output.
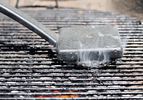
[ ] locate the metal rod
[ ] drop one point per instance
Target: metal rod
(16, 5)
(57, 4)
(29, 22)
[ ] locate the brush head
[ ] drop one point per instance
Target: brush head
(89, 43)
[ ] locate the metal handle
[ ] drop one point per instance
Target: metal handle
(29, 22)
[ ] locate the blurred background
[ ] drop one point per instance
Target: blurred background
(128, 7)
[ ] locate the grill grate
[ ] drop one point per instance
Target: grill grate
(29, 70)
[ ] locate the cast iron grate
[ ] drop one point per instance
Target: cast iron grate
(29, 70)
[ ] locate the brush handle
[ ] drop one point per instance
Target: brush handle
(29, 22)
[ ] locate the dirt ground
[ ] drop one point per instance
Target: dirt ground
(128, 7)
